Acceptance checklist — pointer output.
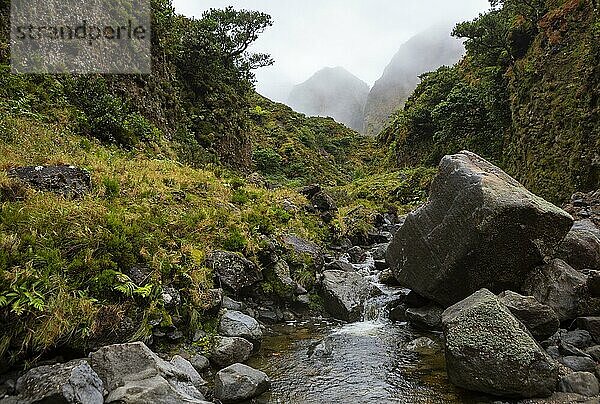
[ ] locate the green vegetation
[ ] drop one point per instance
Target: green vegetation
(525, 96)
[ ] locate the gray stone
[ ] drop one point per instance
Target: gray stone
(155, 390)
(590, 324)
(578, 363)
(480, 228)
(583, 383)
(424, 346)
(580, 249)
(230, 304)
(559, 286)
(240, 382)
(129, 371)
(378, 252)
(345, 293)
(200, 363)
(229, 350)
(594, 352)
(236, 324)
(72, 382)
(428, 317)
(540, 320)
(233, 270)
(579, 338)
(489, 350)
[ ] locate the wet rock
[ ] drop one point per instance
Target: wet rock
(480, 228)
(339, 265)
(578, 363)
(132, 372)
(236, 324)
(559, 286)
(322, 349)
(357, 255)
(271, 316)
(567, 349)
(428, 317)
(591, 325)
(72, 382)
(229, 350)
(382, 265)
(579, 338)
(200, 363)
(230, 304)
(560, 398)
(345, 293)
(240, 382)
(583, 383)
(378, 252)
(387, 277)
(413, 299)
(379, 237)
(234, 271)
(580, 249)
(490, 351)
(540, 320)
(594, 352)
(424, 346)
(68, 181)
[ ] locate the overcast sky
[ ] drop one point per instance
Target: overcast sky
(360, 35)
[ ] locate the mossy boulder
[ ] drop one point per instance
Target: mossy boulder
(479, 229)
(490, 351)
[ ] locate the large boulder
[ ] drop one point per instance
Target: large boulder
(233, 270)
(592, 325)
(237, 324)
(540, 320)
(229, 350)
(580, 248)
(74, 383)
(480, 228)
(239, 383)
(559, 286)
(490, 351)
(132, 373)
(345, 294)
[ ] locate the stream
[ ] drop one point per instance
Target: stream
(325, 361)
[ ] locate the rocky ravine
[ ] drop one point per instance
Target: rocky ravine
(511, 281)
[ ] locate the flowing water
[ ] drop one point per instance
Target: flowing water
(323, 361)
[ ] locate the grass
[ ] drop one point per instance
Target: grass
(63, 263)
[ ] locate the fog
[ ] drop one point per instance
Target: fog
(360, 35)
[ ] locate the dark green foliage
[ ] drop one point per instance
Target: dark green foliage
(515, 98)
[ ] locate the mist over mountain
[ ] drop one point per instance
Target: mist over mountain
(422, 53)
(333, 92)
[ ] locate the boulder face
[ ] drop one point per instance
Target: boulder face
(559, 286)
(67, 181)
(540, 320)
(490, 351)
(580, 249)
(345, 294)
(234, 271)
(237, 324)
(240, 382)
(132, 373)
(480, 228)
(72, 382)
